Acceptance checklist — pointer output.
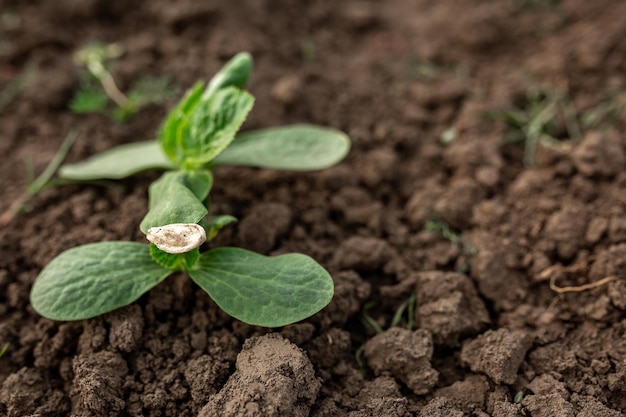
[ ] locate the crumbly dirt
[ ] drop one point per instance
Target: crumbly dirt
(448, 251)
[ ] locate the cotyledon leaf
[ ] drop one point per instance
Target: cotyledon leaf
(263, 290)
(300, 147)
(93, 279)
(118, 162)
(235, 73)
(296, 147)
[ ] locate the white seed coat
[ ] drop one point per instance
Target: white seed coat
(177, 237)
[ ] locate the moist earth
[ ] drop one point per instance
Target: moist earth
(463, 245)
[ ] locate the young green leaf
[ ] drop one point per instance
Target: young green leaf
(298, 147)
(178, 117)
(199, 182)
(93, 279)
(235, 73)
(89, 99)
(171, 201)
(212, 126)
(174, 134)
(261, 290)
(117, 163)
(216, 224)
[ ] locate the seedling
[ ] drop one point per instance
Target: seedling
(197, 136)
(99, 93)
(367, 319)
(4, 349)
(435, 224)
(538, 121)
(407, 308)
(518, 399)
(403, 317)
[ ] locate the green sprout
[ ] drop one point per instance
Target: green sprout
(407, 308)
(547, 115)
(98, 90)
(435, 224)
(4, 349)
(518, 399)
(367, 319)
(538, 121)
(404, 316)
(198, 135)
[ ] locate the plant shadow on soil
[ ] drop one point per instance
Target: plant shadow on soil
(394, 75)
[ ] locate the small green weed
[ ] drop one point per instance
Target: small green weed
(519, 397)
(539, 120)
(98, 92)
(550, 118)
(435, 224)
(404, 317)
(367, 319)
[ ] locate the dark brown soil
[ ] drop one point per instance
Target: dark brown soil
(395, 75)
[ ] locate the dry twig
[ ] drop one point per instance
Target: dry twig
(579, 288)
